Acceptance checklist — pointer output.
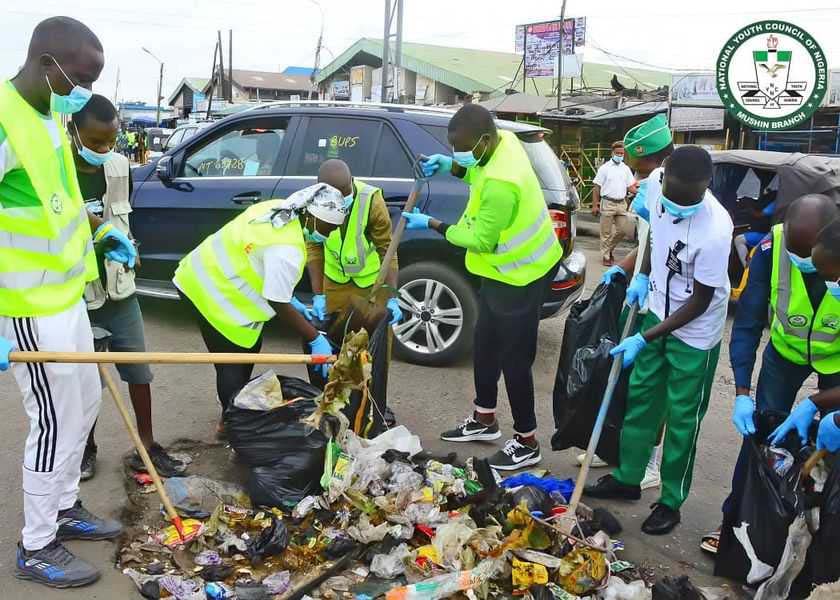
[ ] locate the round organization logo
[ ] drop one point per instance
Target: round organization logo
(56, 204)
(772, 75)
(798, 320)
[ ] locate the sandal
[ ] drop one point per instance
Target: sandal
(710, 542)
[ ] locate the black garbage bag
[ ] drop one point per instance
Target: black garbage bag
(676, 588)
(286, 456)
(754, 534)
(824, 553)
(270, 542)
(368, 416)
(591, 331)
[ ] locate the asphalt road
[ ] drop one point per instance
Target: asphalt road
(426, 400)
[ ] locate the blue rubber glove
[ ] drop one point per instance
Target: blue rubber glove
(637, 291)
(416, 220)
(5, 347)
(124, 252)
(319, 306)
(629, 348)
(321, 345)
(396, 314)
(436, 164)
(301, 308)
(828, 436)
(608, 275)
(742, 415)
(801, 418)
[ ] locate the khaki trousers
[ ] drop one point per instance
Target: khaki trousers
(616, 224)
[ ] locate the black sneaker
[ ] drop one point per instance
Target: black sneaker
(54, 566)
(78, 523)
(472, 431)
(608, 487)
(515, 455)
(88, 463)
(662, 520)
(165, 465)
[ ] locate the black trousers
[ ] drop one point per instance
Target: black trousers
(229, 378)
(506, 343)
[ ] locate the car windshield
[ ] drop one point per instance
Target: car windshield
(548, 167)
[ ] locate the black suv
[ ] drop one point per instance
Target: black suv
(274, 149)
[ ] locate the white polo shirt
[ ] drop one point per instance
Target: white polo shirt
(700, 244)
(613, 179)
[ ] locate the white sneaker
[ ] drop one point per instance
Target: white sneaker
(651, 479)
(597, 462)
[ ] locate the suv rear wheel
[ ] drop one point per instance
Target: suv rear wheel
(440, 308)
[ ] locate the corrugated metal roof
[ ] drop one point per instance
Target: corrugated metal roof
(196, 83)
(469, 69)
(271, 81)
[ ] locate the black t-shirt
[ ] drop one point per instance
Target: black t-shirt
(93, 188)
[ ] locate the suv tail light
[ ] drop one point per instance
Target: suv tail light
(560, 220)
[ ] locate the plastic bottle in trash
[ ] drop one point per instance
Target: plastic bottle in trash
(435, 588)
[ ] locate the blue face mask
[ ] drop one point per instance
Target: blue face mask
(72, 102)
(677, 210)
(805, 265)
(617, 159)
(466, 158)
(833, 289)
(348, 201)
(315, 237)
(94, 159)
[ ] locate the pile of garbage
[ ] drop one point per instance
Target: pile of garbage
(326, 513)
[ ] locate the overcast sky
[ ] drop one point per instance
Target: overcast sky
(271, 34)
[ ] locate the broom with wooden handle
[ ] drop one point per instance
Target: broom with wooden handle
(368, 312)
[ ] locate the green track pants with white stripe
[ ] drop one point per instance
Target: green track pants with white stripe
(670, 384)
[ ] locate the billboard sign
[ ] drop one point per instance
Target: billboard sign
(540, 44)
(341, 89)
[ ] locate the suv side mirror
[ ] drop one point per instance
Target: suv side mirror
(163, 168)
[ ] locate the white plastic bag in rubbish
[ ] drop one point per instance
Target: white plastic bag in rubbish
(261, 393)
(618, 590)
(388, 566)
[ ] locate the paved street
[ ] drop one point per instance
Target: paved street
(426, 401)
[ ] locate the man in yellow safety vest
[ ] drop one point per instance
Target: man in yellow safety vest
(511, 245)
(243, 275)
(46, 258)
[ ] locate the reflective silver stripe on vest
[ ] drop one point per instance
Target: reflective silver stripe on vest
(543, 249)
(230, 273)
(31, 243)
(204, 278)
(783, 291)
(525, 236)
(24, 280)
(361, 251)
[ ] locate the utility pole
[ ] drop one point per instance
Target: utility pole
(160, 84)
(230, 65)
(560, 57)
(391, 66)
(317, 65)
(222, 86)
(212, 82)
(117, 86)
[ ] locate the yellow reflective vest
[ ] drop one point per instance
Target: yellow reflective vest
(797, 333)
(353, 257)
(219, 277)
(528, 248)
(46, 251)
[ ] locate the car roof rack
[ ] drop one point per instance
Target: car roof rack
(351, 104)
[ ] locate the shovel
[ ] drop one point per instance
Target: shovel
(369, 312)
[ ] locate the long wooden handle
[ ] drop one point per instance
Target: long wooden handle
(141, 449)
(398, 233)
(170, 358)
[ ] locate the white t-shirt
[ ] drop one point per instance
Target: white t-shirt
(280, 269)
(703, 242)
(614, 179)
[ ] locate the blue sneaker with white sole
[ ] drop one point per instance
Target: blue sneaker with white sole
(78, 523)
(54, 566)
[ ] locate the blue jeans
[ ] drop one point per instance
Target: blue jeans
(778, 383)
